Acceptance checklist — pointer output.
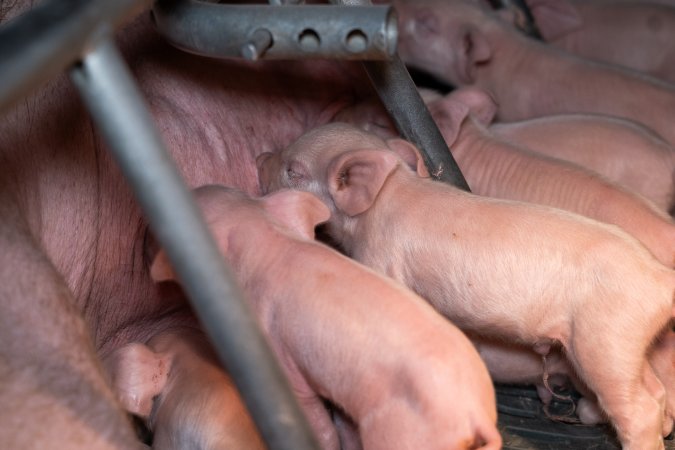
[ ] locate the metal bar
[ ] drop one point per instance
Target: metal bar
(410, 115)
(295, 32)
(115, 104)
(413, 120)
(43, 42)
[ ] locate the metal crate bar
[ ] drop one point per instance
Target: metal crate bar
(410, 115)
(77, 35)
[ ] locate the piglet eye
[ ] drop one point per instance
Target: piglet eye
(342, 178)
(293, 176)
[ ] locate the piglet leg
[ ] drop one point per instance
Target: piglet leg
(662, 360)
(614, 366)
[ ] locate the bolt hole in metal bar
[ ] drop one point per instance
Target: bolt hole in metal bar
(309, 40)
(116, 106)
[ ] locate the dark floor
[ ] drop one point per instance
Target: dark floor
(525, 427)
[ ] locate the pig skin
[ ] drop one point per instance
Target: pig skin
(416, 381)
(519, 271)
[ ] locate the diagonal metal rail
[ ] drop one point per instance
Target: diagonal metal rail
(413, 120)
(113, 100)
(75, 35)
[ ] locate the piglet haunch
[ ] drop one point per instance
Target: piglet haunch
(404, 376)
(526, 273)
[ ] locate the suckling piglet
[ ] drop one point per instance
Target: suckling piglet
(523, 272)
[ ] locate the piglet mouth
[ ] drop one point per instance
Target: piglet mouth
(262, 163)
(266, 185)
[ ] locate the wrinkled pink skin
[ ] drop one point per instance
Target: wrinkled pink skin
(622, 151)
(499, 162)
(503, 169)
(73, 264)
(510, 270)
(464, 43)
(175, 383)
(416, 381)
(632, 34)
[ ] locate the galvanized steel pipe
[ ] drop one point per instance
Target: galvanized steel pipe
(116, 106)
(278, 32)
(40, 44)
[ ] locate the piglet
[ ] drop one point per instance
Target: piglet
(633, 34)
(463, 42)
(176, 385)
(498, 163)
(624, 152)
(506, 161)
(511, 270)
(406, 377)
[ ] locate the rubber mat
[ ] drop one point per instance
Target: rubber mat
(524, 426)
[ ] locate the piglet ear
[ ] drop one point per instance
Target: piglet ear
(474, 49)
(449, 116)
(480, 103)
(138, 375)
(429, 95)
(555, 18)
(356, 177)
(410, 155)
(298, 210)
